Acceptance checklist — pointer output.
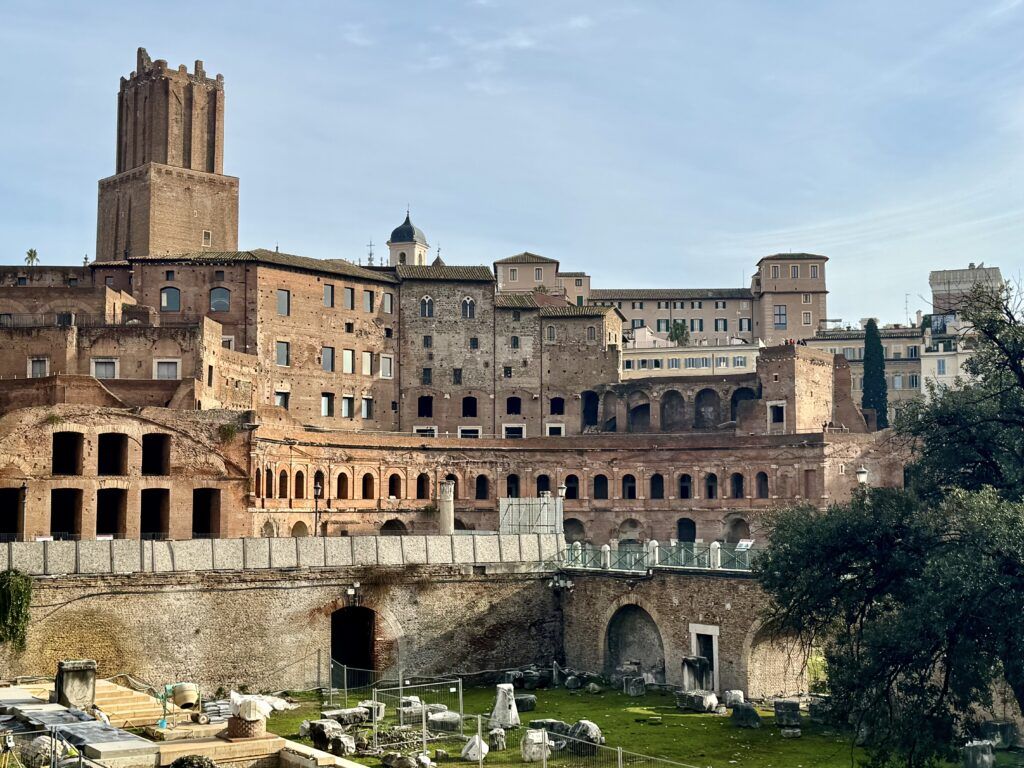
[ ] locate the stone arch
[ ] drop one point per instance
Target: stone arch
(512, 486)
(543, 483)
(735, 529)
(393, 527)
(362, 638)
(422, 486)
(282, 484)
(628, 486)
(461, 525)
(739, 396)
(685, 486)
(343, 491)
(673, 411)
(737, 485)
(574, 530)
(710, 486)
(638, 417)
(455, 479)
(589, 403)
(483, 487)
(686, 530)
(572, 486)
(300, 530)
(300, 484)
(630, 533)
(367, 486)
(600, 487)
(268, 531)
(657, 486)
(259, 482)
(318, 482)
(268, 481)
(707, 407)
(395, 485)
(761, 485)
(633, 635)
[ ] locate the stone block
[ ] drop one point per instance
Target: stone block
(364, 550)
(75, 683)
(584, 738)
(745, 716)
(192, 555)
(787, 713)
(61, 556)
(791, 733)
(346, 716)
(819, 710)
(549, 545)
(529, 548)
(534, 746)
(27, 557)
(389, 550)
(732, 698)
(508, 546)
(310, 551)
(163, 556)
(257, 552)
(227, 554)
(94, 556)
(447, 722)
(322, 731)
(414, 550)
(978, 754)
(696, 701)
(126, 555)
(487, 549)
(525, 702)
(1002, 733)
(338, 551)
(283, 555)
(634, 686)
(439, 549)
(462, 549)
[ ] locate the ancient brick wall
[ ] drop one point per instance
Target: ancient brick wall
(265, 630)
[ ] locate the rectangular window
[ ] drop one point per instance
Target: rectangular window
(513, 274)
(228, 342)
(387, 367)
(913, 381)
(368, 301)
(814, 271)
(348, 361)
(367, 364)
(514, 342)
(512, 431)
(656, 362)
(425, 431)
(538, 274)
(348, 407)
(805, 298)
(643, 363)
(474, 342)
(165, 369)
(427, 377)
(218, 275)
(469, 433)
(777, 413)
(721, 324)
(627, 365)
(389, 303)
(284, 302)
(367, 412)
(696, 305)
(794, 271)
(897, 381)
(556, 430)
(38, 367)
(744, 324)
(327, 359)
(775, 271)
(72, 282)
(507, 372)
(108, 281)
(739, 362)
(805, 318)
(662, 326)
(638, 323)
(697, 324)
(457, 376)
(349, 297)
(169, 274)
(327, 404)
(579, 282)
(350, 327)
(516, 315)
(281, 399)
(638, 305)
(719, 305)
(428, 342)
(780, 316)
(722, 362)
(283, 353)
(673, 362)
(207, 238)
(328, 295)
(940, 366)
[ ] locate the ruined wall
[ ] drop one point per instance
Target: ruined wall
(265, 630)
(680, 605)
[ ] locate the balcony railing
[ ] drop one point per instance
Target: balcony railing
(641, 558)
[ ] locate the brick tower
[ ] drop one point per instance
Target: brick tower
(170, 194)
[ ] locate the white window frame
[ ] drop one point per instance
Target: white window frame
(805, 318)
(805, 298)
(814, 271)
(391, 365)
(424, 431)
(560, 426)
(476, 432)
(364, 412)
(350, 402)
(538, 273)
(177, 366)
(513, 274)
(768, 413)
(707, 629)
(207, 238)
(230, 342)
(114, 360)
(46, 366)
(506, 427)
(348, 361)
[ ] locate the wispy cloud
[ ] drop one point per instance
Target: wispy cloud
(355, 34)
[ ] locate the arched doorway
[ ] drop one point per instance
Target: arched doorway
(300, 530)
(353, 645)
(738, 529)
(589, 404)
(673, 411)
(268, 530)
(574, 531)
(706, 409)
(423, 486)
(633, 636)
(393, 527)
(740, 395)
(572, 487)
(686, 530)
(454, 479)
(639, 415)
(543, 484)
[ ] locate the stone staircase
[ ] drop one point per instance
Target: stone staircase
(130, 709)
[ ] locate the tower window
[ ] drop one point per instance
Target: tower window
(401, 257)
(207, 238)
(468, 308)
(170, 299)
(426, 307)
(169, 274)
(220, 300)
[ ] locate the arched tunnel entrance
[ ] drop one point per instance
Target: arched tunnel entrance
(634, 637)
(353, 646)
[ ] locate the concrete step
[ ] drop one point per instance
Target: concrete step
(221, 751)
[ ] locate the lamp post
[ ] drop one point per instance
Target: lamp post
(862, 475)
(317, 490)
(24, 510)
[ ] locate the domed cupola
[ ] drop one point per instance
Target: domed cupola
(408, 244)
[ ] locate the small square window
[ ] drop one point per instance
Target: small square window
(169, 274)
(516, 315)
(428, 342)
(109, 282)
(350, 327)
(507, 371)
(474, 343)
(281, 399)
(218, 275)
(22, 281)
(207, 238)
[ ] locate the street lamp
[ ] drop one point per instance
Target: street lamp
(24, 510)
(561, 491)
(317, 490)
(862, 475)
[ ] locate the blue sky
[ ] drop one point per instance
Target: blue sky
(649, 143)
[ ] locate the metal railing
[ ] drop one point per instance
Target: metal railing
(651, 555)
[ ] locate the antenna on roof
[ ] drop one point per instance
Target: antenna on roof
(369, 259)
(277, 248)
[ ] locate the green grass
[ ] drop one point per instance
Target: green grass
(707, 741)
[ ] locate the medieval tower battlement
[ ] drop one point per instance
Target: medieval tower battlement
(169, 194)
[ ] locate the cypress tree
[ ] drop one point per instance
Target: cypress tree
(876, 394)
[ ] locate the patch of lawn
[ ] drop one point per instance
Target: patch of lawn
(706, 741)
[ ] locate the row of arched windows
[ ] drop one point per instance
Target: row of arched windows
(170, 299)
(468, 307)
(600, 486)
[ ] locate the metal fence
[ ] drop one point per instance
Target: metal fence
(639, 559)
(417, 713)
